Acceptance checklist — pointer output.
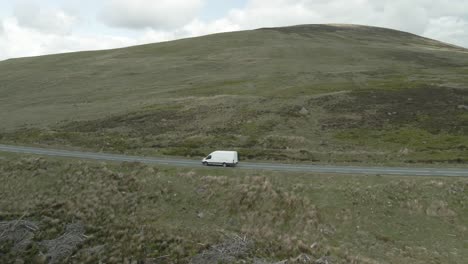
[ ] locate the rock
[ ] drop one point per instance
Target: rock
(303, 258)
(304, 111)
(322, 260)
(200, 190)
(439, 208)
(404, 151)
(200, 214)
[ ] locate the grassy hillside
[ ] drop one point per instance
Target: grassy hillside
(132, 212)
(328, 93)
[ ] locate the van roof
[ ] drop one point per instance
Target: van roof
(225, 151)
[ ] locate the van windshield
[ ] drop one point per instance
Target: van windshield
(209, 157)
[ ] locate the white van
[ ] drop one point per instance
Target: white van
(223, 158)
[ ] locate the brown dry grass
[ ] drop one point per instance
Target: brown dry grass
(136, 212)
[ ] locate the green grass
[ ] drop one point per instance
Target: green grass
(141, 212)
(245, 91)
(266, 63)
(414, 125)
(316, 93)
(410, 144)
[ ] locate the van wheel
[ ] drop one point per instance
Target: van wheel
(224, 165)
(205, 163)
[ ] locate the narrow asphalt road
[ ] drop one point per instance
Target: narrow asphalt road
(454, 172)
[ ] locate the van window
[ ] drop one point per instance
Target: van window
(209, 157)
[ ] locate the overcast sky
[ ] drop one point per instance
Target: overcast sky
(36, 27)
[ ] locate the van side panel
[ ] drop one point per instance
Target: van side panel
(220, 157)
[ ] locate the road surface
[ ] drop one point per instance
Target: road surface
(454, 172)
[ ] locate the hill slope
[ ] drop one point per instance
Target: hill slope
(312, 92)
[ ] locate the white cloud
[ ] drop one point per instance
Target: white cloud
(423, 17)
(18, 41)
(49, 20)
(151, 35)
(161, 14)
(413, 16)
(450, 29)
(403, 15)
(35, 30)
(3, 43)
(199, 28)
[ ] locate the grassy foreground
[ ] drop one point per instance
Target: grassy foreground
(135, 212)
